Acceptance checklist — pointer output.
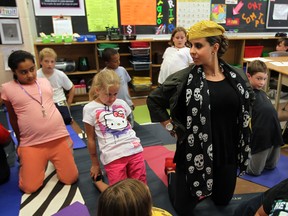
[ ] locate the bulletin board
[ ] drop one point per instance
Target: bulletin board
(165, 16)
(277, 14)
(244, 16)
(241, 15)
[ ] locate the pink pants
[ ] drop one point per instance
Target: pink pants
(127, 167)
(34, 159)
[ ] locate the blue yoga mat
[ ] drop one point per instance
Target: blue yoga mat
(10, 197)
(78, 142)
(269, 178)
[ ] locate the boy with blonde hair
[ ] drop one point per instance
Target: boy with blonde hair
(59, 82)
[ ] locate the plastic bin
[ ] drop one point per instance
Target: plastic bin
(139, 66)
(91, 37)
(46, 39)
(68, 39)
(141, 83)
(58, 39)
(253, 51)
(81, 38)
(139, 44)
(140, 51)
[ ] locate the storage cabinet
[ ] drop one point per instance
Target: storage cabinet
(90, 50)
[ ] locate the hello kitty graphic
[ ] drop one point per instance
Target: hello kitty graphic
(116, 121)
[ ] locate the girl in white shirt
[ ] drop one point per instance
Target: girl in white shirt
(176, 57)
(105, 121)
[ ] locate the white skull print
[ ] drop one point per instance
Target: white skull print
(240, 87)
(233, 75)
(208, 170)
(199, 193)
(247, 94)
(200, 136)
(205, 137)
(199, 161)
(195, 129)
(198, 96)
(196, 183)
(189, 157)
(189, 122)
(210, 151)
(189, 79)
(203, 120)
(191, 140)
(209, 184)
(194, 111)
(191, 169)
(188, 95)
(246, 119)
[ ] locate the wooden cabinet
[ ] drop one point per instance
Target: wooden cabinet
(73, 51)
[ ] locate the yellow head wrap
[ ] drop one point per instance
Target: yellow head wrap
(205, 28)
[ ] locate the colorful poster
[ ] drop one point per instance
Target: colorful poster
(190, 12)
(138, 12)
(166, 16)
(218, 13)
(101, 14)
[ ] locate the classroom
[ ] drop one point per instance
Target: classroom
(139, 32)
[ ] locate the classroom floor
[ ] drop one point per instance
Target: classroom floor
(243, 186)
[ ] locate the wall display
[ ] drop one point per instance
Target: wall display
(59, 7)
(277, 14)
(101, 14)
(62, 25)
(191, 11)
(138, 12)
(244, 16)
(10, 31)
(240, 16)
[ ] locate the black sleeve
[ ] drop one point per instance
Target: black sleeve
(279, 191)
(158, 103)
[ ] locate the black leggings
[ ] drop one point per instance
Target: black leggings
(224, 182)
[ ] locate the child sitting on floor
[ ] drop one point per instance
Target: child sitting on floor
(129, 197)
(266, 137)
(38, 125)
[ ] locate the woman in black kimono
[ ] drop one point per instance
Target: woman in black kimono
(209, 106)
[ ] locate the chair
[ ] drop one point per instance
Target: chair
(278, 53)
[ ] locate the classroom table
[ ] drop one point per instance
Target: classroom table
(282, 73)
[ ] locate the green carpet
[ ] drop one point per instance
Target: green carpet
(141, 114)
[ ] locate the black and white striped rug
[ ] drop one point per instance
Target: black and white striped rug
(51, 198)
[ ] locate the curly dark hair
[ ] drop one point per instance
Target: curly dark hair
(222, 41)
